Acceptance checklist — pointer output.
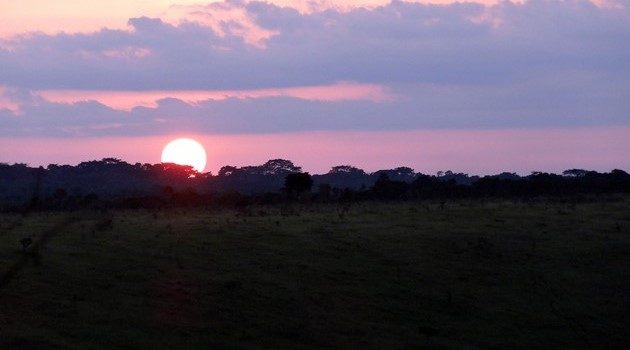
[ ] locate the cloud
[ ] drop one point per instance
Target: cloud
(127, 100)
(78, 16)
(566, 99)
(8, 104)
(230, 18)
(540, 63)
(400, 42)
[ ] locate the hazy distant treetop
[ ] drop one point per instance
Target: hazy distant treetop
(575, 172)
(57, 167)
(346, 169)
(507, 176)
(227, 170)
(112, 161)
(16, 165)
(270, 168)
(279, 166)
(105, 162)
(404, 171)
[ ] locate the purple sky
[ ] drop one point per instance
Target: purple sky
(476, 87)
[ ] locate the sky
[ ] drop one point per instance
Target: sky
(479, 87)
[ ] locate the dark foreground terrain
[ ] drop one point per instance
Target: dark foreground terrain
(473, 275)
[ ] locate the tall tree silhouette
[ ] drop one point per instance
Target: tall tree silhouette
(298, 183)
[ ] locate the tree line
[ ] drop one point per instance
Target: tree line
(115, 182)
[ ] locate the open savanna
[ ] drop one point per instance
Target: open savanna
(399, 275)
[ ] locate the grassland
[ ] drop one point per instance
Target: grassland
(473, 275)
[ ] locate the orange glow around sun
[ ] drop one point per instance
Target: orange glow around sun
(185, 152)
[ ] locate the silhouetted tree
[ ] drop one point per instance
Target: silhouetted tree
(227, 170)
(575, 172)
(324, 192)
(345, 176)
(297, 183)
(113, 182)
(384, 188)
(279, 167)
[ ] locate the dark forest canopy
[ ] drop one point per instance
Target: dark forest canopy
(111, 179)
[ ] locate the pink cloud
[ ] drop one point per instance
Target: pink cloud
(73, 16)
(6, 102)
(127, 100)
(228, 18)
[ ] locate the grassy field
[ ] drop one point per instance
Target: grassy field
(471, 275)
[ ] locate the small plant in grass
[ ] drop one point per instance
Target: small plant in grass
(342, 211)
(428, 332)
(26, 242)
(106, 224)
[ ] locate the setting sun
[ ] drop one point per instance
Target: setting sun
(185, 152)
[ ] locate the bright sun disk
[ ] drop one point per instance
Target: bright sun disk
(185, 152)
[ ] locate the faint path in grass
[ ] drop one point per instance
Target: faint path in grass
(32, 253)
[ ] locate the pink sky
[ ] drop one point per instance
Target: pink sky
(85, 16)
(88, 16)
(427, 151)
(79, 16)
(537, 86)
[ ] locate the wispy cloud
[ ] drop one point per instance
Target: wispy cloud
(128, 100)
